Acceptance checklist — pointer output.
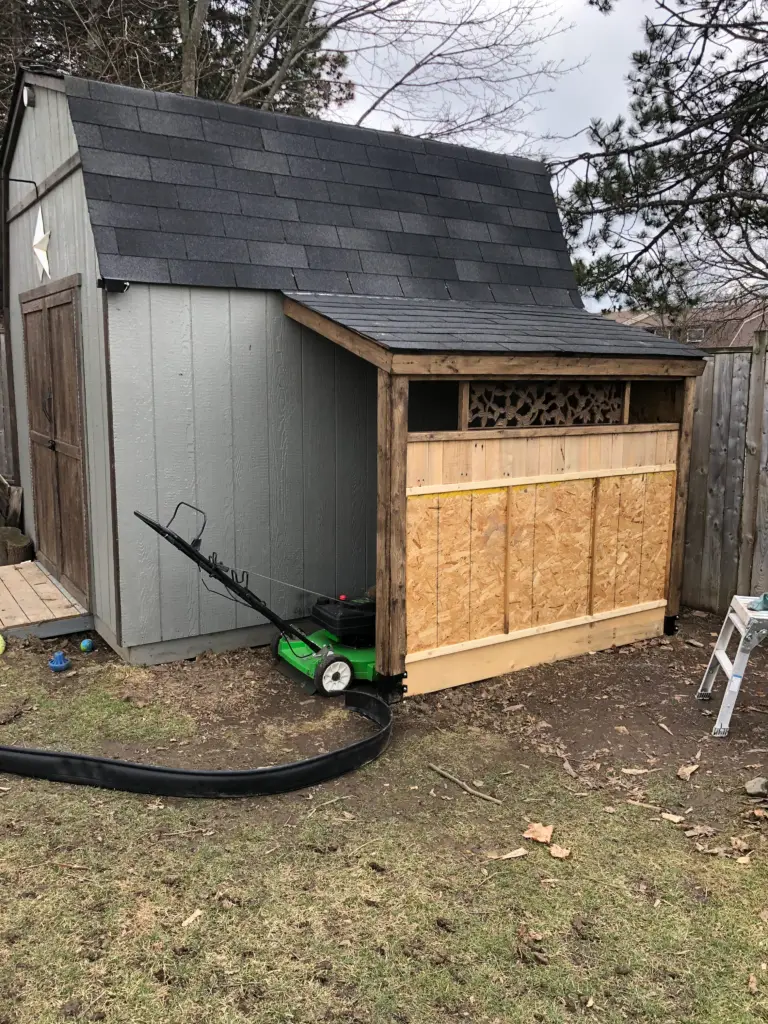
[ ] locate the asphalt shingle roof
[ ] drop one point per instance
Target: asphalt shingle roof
(442, 326)
(192, 192)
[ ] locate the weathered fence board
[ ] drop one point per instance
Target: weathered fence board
(726, 546)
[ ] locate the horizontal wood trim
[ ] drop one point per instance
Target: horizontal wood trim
(543, 366)
(550, 627)
(47, 185)
(514, 652)
(63, 284)
(494, 432)
(350, 340)
(509, 481)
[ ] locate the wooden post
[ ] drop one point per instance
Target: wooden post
(681, 499)
(625, 402)
(463, 405)
(383, 474)
(397, 524)
(752, 460)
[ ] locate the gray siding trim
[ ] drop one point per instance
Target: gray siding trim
(45, 141)
(220, 400)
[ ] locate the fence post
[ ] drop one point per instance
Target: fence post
(752, 461)
(758, 564)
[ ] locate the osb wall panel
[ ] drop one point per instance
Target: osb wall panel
(453, 567)
(522, 510)
(562, 543)
(488, 563)
(421, 572)
(491, 561)
(478, 460)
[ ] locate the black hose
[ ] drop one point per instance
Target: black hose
(131, 777)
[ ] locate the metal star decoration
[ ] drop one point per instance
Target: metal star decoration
(40, 246)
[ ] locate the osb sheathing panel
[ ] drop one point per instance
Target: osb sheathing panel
(522, 508)
(630, 536)
(421, 572)
(487, 563)
(607, 501)
(654, 557)
(453, 567)
(561, 550)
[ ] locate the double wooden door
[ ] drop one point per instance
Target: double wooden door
(56, 435)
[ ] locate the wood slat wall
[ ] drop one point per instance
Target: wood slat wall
(467, 460)
(488, 562)
(726, 540)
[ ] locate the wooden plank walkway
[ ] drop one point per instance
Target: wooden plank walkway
(29, 595)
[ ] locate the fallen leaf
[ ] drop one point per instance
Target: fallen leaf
(635, 771)
(674, 818)
(622, 729)
(745, 859)
(192, 918)
(665, 728)
(559, 852)
(752, 985)
(609, 810)
(539, 833)
(763, 915)
(700, 830)
(685, 771)
(568, 769)
(512, 855)
(739, 844)
(694, 643)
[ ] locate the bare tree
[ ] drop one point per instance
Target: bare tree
(448, 69)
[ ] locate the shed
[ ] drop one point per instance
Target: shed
(363, 354)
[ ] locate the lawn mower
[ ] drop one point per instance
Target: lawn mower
(329, 660)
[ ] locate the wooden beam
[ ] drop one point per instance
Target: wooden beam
(493, 656)
(384, 479)
(543, 366)
(397, 524)
(479, 434)
(545, 478)
(343, 336)
(62, 284)
(675, 585)
(48, 184)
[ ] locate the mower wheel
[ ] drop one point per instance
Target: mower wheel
(333, 675)
(274, 645)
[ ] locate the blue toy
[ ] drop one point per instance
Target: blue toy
(59, 662)
(86, 646)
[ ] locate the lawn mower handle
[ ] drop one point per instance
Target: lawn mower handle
(216, 572)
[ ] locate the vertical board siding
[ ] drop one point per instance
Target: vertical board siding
(133, 416)
(239, 414)
(213, 443)
(726, 543)
(45, 141)
(551, 552)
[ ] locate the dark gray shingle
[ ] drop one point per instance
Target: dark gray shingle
(251, 199)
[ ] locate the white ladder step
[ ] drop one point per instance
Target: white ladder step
(725, 662)
(737, 622)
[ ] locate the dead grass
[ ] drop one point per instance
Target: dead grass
(379, 906)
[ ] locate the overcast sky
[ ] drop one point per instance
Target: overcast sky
(599, 88)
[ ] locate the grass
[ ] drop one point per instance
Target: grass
(380, 906)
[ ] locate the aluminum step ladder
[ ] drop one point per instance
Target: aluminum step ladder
(753, 627)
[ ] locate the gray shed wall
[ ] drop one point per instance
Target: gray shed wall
(45, 141)
(220, 400)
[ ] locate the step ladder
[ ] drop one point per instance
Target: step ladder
(753, 627)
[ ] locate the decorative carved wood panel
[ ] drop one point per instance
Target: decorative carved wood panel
(544, 403)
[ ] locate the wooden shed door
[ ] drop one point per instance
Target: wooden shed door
(56, 437)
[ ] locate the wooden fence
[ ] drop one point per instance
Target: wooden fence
(726, 542)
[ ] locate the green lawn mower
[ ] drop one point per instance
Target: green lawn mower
(339, 655)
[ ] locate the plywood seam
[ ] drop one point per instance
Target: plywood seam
(549, 627)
